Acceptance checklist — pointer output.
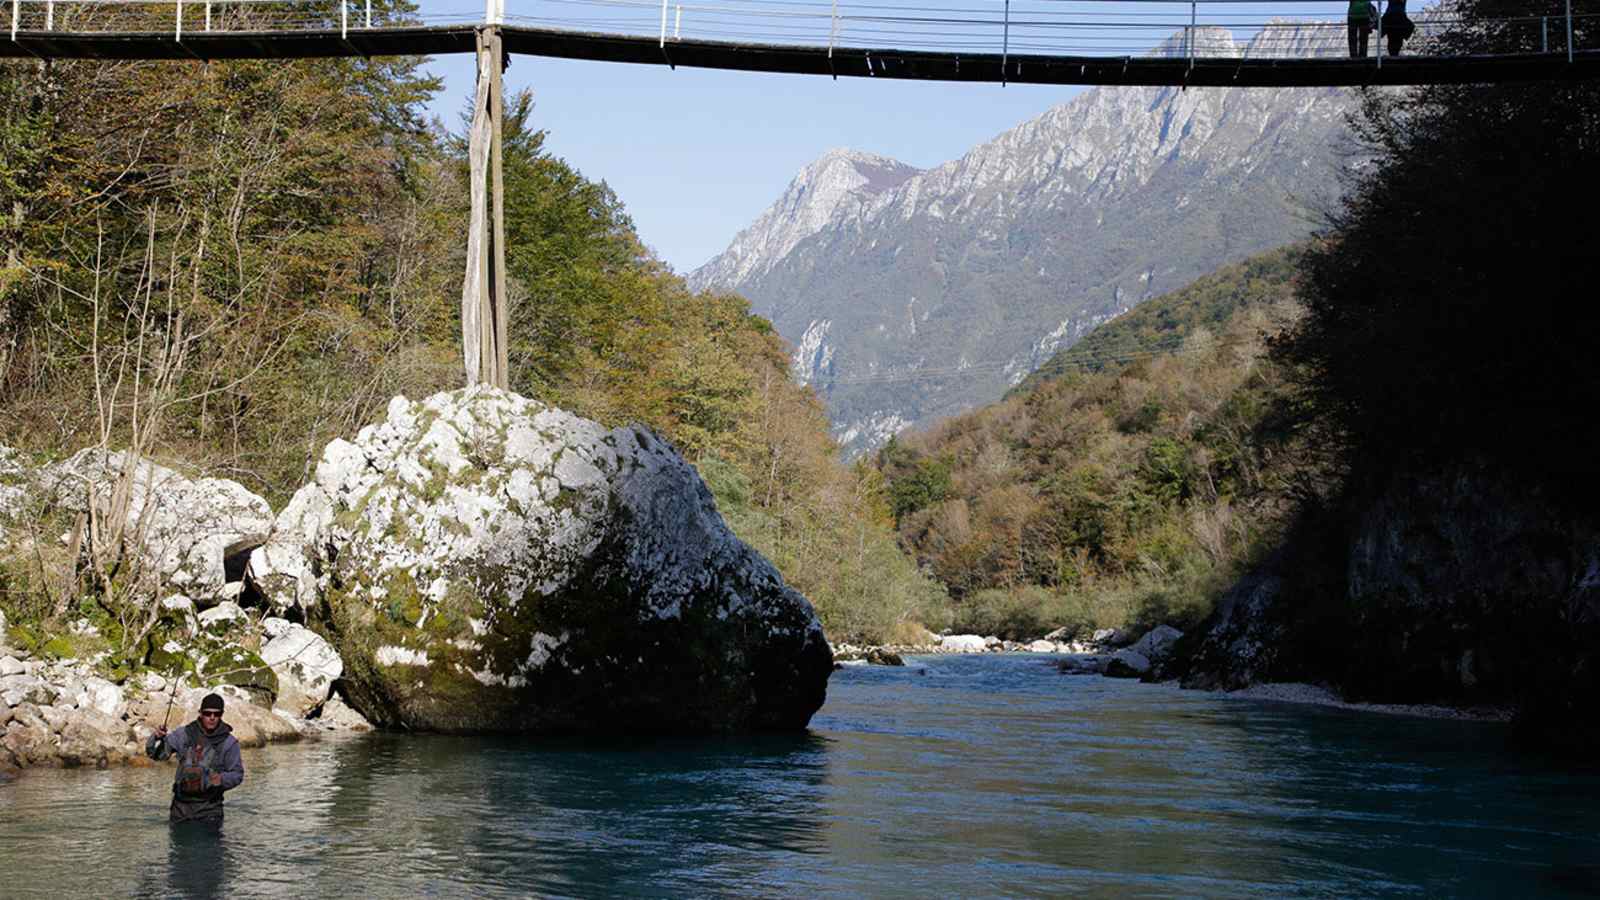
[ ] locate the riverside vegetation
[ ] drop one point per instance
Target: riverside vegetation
(1126, 482)
(227, 270)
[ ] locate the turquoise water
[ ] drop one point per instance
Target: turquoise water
(956, 776)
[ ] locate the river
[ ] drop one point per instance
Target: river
(954, 776)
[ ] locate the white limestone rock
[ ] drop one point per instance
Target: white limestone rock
(99, 695)
(223, 617)
(963, 643)
(16, 690)
(306, 666)
(188, 526)
(337, 715)
(557, 575)
(280, 568)
(10, 665)
(181, 610)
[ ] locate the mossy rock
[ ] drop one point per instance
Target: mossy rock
(560, 579)
(242, 668)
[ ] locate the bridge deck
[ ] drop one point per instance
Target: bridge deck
(852, 62)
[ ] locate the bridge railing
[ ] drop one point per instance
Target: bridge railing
(1111, 28)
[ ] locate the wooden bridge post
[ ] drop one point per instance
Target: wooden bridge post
(484, 317)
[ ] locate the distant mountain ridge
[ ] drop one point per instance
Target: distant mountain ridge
(839, 182)
(913, 295)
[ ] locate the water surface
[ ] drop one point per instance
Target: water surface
(955, 776)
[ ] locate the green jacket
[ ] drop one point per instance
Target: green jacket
(1362, 11)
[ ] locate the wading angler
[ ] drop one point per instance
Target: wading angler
(209, 763)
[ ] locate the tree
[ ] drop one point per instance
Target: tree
(1447, 300)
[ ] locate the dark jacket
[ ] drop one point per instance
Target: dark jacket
(1395, 21)
(200, 755)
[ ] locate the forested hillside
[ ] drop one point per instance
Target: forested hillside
(226, 265)
(1126, 482)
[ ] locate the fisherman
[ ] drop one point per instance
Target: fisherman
(208, 763)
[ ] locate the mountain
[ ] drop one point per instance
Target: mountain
(913, 295)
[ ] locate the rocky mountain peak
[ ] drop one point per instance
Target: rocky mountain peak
(837, 184)
(918, 294)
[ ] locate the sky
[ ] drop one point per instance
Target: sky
(697, 154)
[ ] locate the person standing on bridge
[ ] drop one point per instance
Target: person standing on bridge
(1360, 21)
(1397, 26)
(208, 763)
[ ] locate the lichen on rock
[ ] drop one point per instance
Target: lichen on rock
(486, 563)
(186, 528)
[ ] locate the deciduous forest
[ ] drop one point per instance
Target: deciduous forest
(226, 265)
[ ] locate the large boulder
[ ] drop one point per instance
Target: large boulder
(306, 665)
(282, 569)
(194, 535)
(486, 563)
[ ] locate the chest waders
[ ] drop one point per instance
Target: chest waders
(193, 796)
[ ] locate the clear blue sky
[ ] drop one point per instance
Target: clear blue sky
(697, 154)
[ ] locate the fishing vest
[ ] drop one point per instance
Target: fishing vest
(195, 765)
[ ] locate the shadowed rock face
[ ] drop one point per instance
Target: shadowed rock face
(1461, 584)
(486, 563)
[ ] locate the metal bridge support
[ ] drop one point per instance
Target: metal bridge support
(484, 317)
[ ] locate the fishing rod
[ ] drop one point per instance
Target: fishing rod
(172, 694)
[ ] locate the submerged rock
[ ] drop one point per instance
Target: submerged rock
(485, 563)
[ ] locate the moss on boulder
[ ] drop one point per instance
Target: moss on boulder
(487, 563)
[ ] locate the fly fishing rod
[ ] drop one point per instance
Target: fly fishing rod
(172, 694)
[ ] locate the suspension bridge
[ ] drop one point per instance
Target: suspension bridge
(1184, 43)
(1134, 42)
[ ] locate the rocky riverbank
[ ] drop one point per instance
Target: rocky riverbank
(61, 713)
(1111, 651)
(476, 562)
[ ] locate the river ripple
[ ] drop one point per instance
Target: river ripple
(955, 776)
